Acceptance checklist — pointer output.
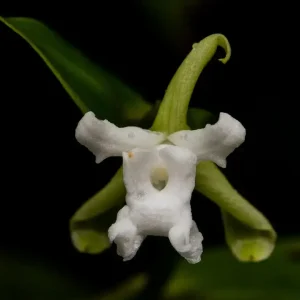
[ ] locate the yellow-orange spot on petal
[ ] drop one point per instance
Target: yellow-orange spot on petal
(130, 154)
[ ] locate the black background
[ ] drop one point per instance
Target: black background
(47, 175)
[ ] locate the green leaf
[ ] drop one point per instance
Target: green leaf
(90, 87)
(90, 223)
(248, 233)
(172, 113)
(219, 277)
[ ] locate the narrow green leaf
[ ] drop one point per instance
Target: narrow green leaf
(172, 113)
(223, 278)
(90, 223)
(90, 87)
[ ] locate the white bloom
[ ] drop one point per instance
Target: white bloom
(159, 178)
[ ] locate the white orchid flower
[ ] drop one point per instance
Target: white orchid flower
(159, 175)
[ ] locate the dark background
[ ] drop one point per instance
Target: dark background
(47, 175)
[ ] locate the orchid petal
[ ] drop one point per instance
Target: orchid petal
(105, 139)
(214, 142)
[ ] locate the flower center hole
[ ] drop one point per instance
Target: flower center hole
(159, 178)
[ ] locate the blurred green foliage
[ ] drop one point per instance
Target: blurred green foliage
(28, 278)
(220, 277)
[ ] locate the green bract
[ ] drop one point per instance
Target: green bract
(248, 233)
(172, 113)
